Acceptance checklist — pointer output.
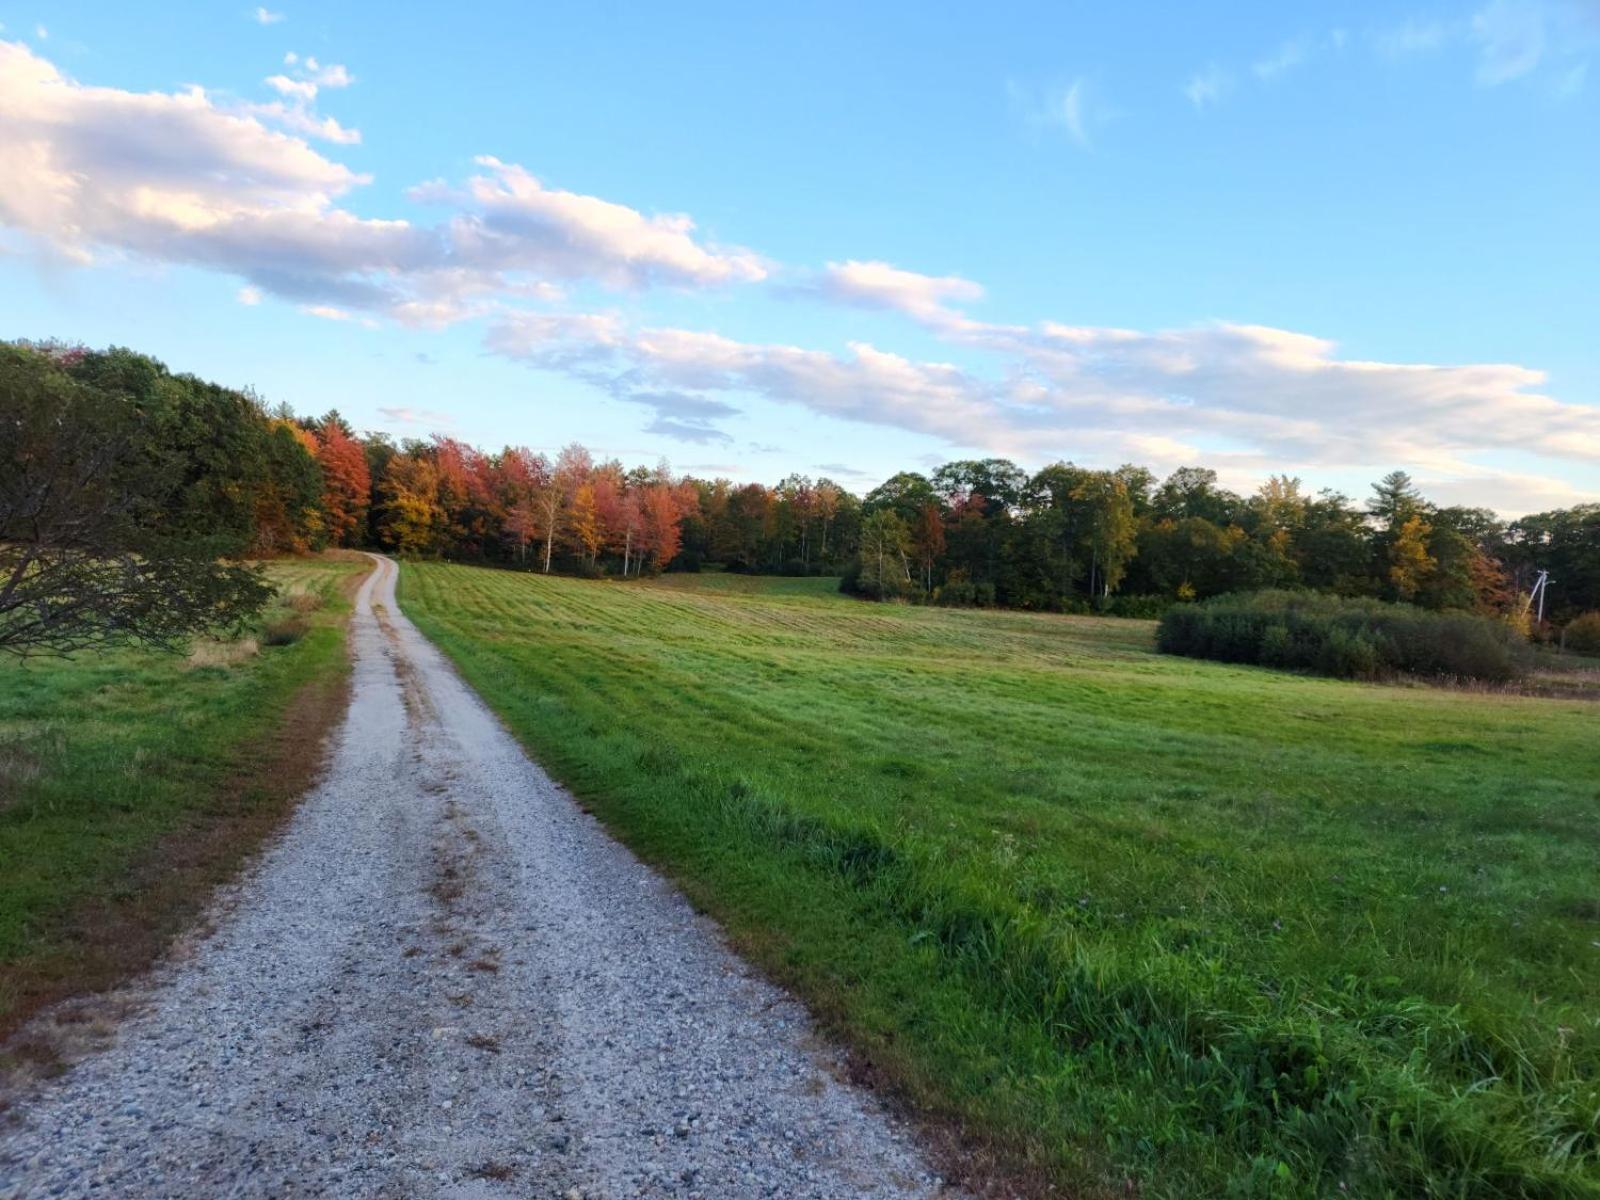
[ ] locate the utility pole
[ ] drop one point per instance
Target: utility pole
(1537, 593)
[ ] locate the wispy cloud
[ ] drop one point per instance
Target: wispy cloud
(1210, 85)
(1510, 35)
(1071, 113)
(696, 434)
(1205, 88)
(1077, 109)
(843, 470)
(1282, 60)
(265, 16)
(1409, 39)
(402, 415)
(1509, 40)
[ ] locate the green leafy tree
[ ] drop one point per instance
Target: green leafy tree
(1110, 530)
(93, 551)
(883, 570)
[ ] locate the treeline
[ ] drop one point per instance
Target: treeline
(1071, 539)
(263, 481)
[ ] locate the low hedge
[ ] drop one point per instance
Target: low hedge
(1582, 634)
(1340, 636)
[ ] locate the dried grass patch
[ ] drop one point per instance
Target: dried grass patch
(222, 654)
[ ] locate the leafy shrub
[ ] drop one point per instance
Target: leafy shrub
(1343, 637)
(963, 593)
(1145, 608)
(285, 632)
(1582, 634)
(855, 582)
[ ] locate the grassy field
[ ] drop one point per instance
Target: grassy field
(1133, 923)
(131, 781)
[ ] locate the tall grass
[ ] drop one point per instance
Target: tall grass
(1123, 916)
(116, 768)
(1343, 637)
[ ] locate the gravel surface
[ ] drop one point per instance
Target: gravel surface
(445, 980)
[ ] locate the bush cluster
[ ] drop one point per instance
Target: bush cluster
(1582, 634)
(1340, 636)
(1142, 607)
(963, 593)
(286, 632)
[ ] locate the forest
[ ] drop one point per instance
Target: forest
(258, 481)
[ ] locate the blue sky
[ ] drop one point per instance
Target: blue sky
(843, 239)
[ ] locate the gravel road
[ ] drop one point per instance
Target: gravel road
(445, 980)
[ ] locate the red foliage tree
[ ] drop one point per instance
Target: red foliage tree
(346, 482)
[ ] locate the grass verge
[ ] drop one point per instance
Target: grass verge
(1126, 922)
(131, 783)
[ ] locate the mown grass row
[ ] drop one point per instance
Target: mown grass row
(130, 780)
(1218, 930)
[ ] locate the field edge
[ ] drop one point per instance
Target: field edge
(110, 937)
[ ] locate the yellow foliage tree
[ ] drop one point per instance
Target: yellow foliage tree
(588, 531)
(1410, 564)
(412, 519)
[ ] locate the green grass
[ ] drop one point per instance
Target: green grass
(1220, 930)
(105, 758)
(728, 583)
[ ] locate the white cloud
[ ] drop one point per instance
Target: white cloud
(1248, 399)
(265, 16)
(300, 92)
(1207, 87)
(327, 312)
(299, 89)
(333, 76)
(310, 75)
(299, 119)
(330, 312)
(249, 296)
(1514, 493)
(514, 222)
(40, 32)
(880, 285)
(178, 177)
(402, 415)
